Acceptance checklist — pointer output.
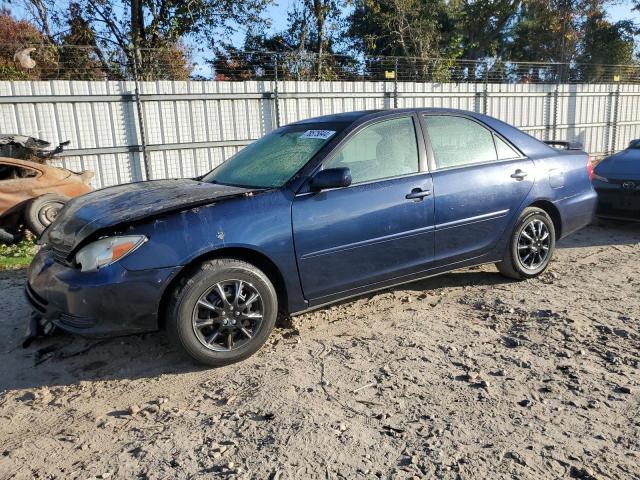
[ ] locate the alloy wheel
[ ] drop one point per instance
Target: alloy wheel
(533, 244)
(228, 315)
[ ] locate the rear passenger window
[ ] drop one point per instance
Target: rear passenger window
(382, 150)
(13, 172)
(458, 141)
(505, 151)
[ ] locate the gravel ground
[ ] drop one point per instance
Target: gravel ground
(467, 375)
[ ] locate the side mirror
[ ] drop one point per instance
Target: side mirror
(331, 178)
(634, 143)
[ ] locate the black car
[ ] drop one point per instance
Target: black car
(617, 181)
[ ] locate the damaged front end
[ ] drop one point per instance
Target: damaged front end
(84, 279)
(124, 204)
(33, 149)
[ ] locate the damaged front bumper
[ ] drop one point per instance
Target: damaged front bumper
(111, 301)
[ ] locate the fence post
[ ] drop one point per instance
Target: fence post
(614, 123)
(556, 95)
(554, 125)
(485, 93)
(276, 102)
(143, 141)
(395, 84)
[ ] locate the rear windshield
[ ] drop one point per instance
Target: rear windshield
(271, 161)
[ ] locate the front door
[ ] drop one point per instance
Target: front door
(348, 239)
(479, 183)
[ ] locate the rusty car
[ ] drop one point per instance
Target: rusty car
(32, 194)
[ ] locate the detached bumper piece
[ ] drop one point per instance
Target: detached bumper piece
(37, 327)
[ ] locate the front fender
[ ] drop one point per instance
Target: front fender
(260, 223)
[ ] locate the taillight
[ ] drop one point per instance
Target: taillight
(589, 168)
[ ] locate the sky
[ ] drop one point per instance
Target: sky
(622, 11)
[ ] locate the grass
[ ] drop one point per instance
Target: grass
(16, 256)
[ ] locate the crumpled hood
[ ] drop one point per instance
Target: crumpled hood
(624, 165)
(112, 206)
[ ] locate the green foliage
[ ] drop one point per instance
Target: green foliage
(410, 28)
(18, 255)
(607, 43)
(11, 72)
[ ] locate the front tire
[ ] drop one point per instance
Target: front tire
(531, 246)
(42, 211)
(223, 312)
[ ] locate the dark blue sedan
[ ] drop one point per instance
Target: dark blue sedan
(617, 181)
(312, 213)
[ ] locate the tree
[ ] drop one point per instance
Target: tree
(544, 31)
(424, 32)
(605, 43)
(158, 28)
(314, 27)
(15, 36)
(484, 25)
(408, 28)
(567, 32)
(309, 48)
(80, 57)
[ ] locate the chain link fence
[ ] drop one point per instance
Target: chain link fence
(72, 62)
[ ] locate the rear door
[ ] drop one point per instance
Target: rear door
(479, 181)
(349, 239)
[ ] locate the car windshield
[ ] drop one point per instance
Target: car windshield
(271, 161)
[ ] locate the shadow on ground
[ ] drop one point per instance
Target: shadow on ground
(603, 233)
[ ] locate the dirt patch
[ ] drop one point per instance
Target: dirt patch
(466, 375)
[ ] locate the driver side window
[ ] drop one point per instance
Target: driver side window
(382, 150)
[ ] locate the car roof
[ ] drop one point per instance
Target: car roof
(23, 163)
(345, 117)
(362, 115)
(527, 144)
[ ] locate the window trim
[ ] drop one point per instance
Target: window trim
(423, 166)
(431, 156)
(509, 144)
(26, 167)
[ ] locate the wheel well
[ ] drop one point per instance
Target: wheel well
(553, 212)
(245, 254)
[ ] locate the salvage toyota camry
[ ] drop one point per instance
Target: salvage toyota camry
(314, 212)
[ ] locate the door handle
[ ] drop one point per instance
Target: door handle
(519, 175)
(417, 194)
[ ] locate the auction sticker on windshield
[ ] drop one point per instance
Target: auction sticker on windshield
(320, 134)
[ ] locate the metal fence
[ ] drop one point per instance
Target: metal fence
(190, 127)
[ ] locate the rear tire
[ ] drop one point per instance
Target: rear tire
(531, 246)
(42, 211)
(223, 312)
(8, 238)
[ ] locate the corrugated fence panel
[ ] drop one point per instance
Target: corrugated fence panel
(461, 96)
(628, 122)
(191, 127)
